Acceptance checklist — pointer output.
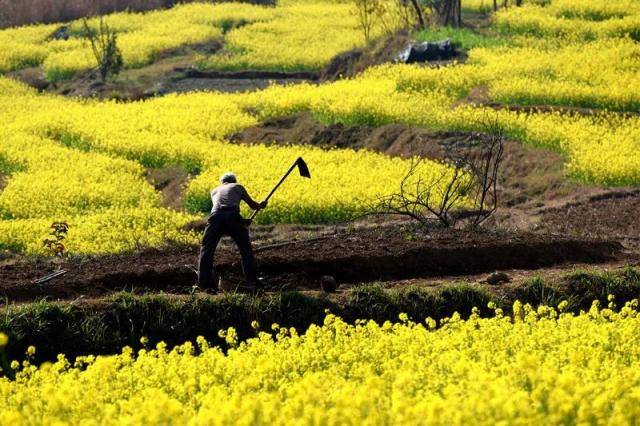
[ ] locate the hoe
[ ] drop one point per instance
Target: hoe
(303, 169)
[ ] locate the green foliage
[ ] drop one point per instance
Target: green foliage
(461, 37)
(124, 318)
(598, 285)
(536, 292)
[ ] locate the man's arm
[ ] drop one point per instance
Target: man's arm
(251, 202)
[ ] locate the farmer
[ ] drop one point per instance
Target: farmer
(225, 219)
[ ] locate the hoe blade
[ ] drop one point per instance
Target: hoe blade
(303, 168)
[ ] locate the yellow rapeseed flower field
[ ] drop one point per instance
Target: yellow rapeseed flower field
(590, 19)
(540, 367)
(294, 35)
(85, 161)
(302, 35)
(87, 166)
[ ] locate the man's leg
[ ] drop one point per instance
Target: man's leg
(212, 235)
(240, 235)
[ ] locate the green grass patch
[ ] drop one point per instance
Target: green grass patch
(537, 292)
(123, 319)
(461, 37)
(589, 285)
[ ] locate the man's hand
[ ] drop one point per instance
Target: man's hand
(262, 205)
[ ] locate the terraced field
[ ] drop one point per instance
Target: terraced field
(128, 163)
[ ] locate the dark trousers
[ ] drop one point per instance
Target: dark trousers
(219, 224)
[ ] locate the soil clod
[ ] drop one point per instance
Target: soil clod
(498, 278)
(328, 284)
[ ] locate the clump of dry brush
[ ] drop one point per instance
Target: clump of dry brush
(467, 192)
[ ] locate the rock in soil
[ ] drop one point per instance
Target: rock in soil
(328, 284)
(498, 278)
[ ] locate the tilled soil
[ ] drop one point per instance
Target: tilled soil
(614, 215)
(362, 255)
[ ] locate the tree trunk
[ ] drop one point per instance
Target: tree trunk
(450, 13)
(418, 9)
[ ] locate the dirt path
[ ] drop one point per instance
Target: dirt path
(363, 255)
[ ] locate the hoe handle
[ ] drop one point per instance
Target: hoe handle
(293, 166)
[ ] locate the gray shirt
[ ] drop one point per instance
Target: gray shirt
(228, 196)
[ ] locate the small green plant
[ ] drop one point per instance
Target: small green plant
(104, 44)
(55, 241)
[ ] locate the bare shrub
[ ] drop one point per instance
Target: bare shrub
(423, 200)
(104, 44)
(405, 13)
(367, 12)
(466, 191)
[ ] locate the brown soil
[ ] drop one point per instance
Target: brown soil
(362, 255)
(535, 194)
(614, 215)
(353, 62)
(171, 181)
(33, 77)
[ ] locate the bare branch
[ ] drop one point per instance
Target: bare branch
(467, 190)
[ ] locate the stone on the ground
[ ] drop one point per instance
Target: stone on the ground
(328, 283)
(498, 278)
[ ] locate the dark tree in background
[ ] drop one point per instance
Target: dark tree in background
(446, 12)
(418, 9)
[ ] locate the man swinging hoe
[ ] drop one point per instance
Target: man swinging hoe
(225, 219)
